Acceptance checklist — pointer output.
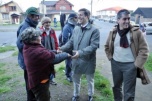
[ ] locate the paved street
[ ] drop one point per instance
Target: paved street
(143, 93)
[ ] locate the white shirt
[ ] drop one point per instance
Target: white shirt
(122, 54)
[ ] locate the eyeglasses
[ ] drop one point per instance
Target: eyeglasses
(126, 18)
(75, 17)
(48, 22)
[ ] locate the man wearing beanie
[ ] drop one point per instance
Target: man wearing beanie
(49, 40)
(30, 21)
(66, 34)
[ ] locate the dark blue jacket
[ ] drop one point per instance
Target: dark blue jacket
(67, 32)
(27, 23)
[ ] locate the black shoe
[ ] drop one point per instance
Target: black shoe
(90, 98)
(69, 79)
(53, 83)
(75, 98)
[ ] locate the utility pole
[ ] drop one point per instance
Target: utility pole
(43, 8)
(1, 2)
(91, 6)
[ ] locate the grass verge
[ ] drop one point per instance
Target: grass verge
(15, 53)
(6, 48)
(148, 64)
(3, 79)
(9, 77)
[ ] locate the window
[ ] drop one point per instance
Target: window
(5, 16)
(12, 8)
(62, 8)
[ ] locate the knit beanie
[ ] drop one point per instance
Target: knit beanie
(45, 19)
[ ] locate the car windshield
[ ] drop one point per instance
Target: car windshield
(150, 24)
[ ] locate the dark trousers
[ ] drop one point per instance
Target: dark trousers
(68, 67)
(124, 73)
(42, 92)
(30, 95)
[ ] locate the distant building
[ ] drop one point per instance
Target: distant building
(143, 14)
(108, 12)
(53, 9)
(10, 13)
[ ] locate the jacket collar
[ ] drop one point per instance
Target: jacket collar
(133, 28)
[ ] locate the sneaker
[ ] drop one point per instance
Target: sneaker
(53, 83)
(75, 98)
(90, 98)
(69, 79)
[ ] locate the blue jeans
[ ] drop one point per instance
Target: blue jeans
(68, 63)
(51, 77)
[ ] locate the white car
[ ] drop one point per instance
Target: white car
(148, 27)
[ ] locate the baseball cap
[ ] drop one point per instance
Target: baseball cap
(72, 15)
(32, 10)
(30, 34)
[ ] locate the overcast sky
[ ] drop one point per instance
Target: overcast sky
(97, 4)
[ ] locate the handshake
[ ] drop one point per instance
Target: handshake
(75, 54)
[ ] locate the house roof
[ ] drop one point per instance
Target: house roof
(145, 12)
(52, 3)
(14, 3)
(112, 9)
(49, 3)
(60, 11)
(6, 3)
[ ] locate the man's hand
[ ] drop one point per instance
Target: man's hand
(75, 55)
(59, 50)
(69, 55)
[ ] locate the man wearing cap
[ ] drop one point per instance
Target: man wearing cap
(49, 40)
(30, 21)
(66, 34)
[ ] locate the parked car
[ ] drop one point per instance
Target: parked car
(148, 27)
(113, 20)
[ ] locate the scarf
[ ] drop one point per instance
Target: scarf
(123, 38)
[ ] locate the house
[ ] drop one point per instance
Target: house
(53, 9)
(108, 12)
(10, 13)
(143, 14)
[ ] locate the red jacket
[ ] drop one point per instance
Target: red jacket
(53, 37)
(38, 63)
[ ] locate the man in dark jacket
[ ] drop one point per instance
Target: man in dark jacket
(66, 34)
(62, 20)
(30, 21)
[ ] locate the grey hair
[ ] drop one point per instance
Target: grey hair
(122, 12)
(29, 35)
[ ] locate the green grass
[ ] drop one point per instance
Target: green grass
(15, 53)
(148, 64)
(9, 24)
(3, 79)
(58, 26)
(6, 48)
(7, 75)
(102, 85)
(4, 89)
